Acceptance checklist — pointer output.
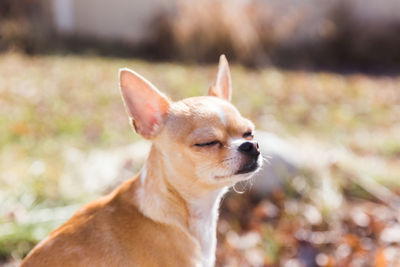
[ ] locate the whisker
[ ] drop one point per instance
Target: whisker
(266, 159)
(251, 182)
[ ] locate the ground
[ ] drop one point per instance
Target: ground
(60, 113)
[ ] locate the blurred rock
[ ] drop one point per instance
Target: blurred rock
(281, 162)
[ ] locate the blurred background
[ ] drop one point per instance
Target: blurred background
(320, 79)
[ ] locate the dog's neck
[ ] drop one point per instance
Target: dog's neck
(163, 202)
(203, 223)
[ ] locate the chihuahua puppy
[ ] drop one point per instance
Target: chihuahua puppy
(167, 214)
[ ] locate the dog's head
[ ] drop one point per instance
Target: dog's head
(203, 140)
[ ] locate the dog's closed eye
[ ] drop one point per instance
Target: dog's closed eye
(248, 135)
(212, 143)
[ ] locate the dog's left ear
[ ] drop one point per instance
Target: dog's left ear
(146, 106)
(222, 87)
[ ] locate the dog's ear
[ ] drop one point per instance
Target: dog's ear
(222, 87)
(146, 106)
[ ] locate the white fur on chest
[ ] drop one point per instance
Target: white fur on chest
(203, 224)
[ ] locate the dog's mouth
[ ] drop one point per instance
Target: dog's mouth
(250, 167)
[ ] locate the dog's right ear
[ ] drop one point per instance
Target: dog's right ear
(146, 106)
(222, 86)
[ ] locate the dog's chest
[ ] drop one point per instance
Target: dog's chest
(203, 224)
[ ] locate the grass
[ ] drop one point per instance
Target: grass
(52, 106)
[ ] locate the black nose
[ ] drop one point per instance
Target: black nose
(250, 148)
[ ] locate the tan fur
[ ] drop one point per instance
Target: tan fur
(165, 216)
(111, 231)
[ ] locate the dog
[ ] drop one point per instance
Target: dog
(167, 214)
